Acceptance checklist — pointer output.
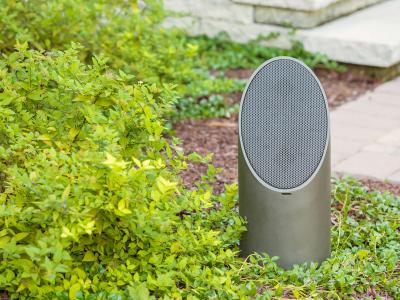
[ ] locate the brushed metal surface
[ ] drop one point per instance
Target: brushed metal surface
(295, 227)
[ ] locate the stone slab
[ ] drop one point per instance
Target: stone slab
(381, 148)
(245, 32)
(392, 87)
(369, 37)
(391, 139)
(213, 9)
(337, 157)
(374, 109)
(191, 24)
(309, 19)
(291, 4)
(389, 143)
(387, 94)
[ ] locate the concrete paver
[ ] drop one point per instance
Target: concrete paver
(348, 147)
(347, 117)
(395, 177)
(369, 164)
(366, 135)
(337, 157)
(354, 133)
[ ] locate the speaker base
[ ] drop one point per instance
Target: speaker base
(294, 226)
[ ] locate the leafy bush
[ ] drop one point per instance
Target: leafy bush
(133, 40)
(91, 200)
(130, 37)
(93, 207)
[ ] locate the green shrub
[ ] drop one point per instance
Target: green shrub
(128, 35)
(133, 40)
(91, 200)
(131, 37)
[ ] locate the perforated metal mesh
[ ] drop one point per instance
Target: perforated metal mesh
(284, 124)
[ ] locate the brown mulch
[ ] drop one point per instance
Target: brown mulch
(344, 87)
(219, 136)
(339, 87)
(372, 294)
(3, 295)
(382, 186)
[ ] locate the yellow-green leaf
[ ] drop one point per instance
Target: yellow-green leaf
(4, 240)
(66, 192)
(89, 256)
(122, 207)
(362, 254)
(20, 236)
(73, 290)
(113, 163)
(21, 287)
(72, 133)
(176, 247)
(165, 185)
(296, 294)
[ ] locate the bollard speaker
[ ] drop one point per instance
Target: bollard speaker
(284, 164)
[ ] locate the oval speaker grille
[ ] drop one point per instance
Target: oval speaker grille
(284, 123)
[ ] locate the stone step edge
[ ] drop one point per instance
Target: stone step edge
(305, 5)
(309, 19)
(345, 51)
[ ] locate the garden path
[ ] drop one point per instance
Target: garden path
(366, 134)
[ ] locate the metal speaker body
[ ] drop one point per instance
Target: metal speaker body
(284, 164)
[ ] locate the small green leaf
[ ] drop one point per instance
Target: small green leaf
(20, 236)
(89, 256)
(74, 289)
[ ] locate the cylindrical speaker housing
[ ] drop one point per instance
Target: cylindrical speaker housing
(284, 164)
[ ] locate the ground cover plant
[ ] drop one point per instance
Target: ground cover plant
(92, 202)
(221, 53)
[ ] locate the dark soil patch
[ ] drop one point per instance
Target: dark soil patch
(339, 87)
(219, 136)
(3, 295)
(344, 87)
(382, 186)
